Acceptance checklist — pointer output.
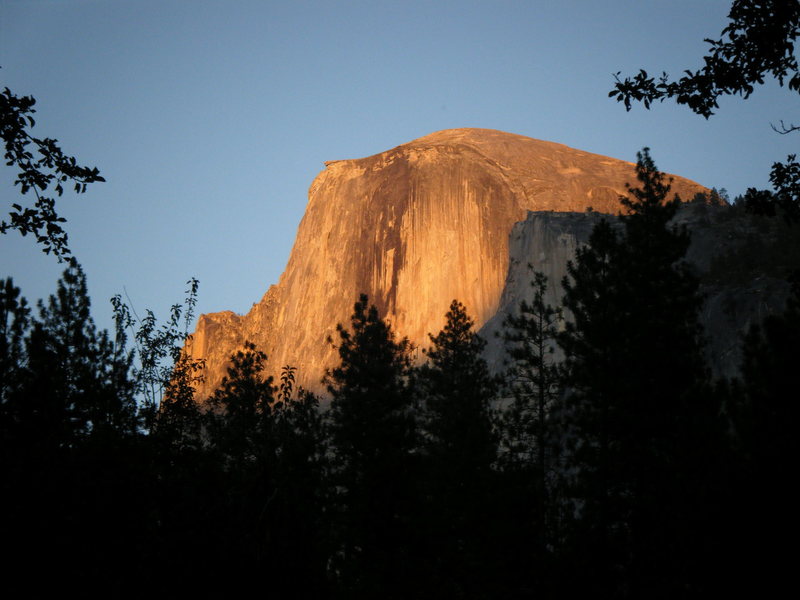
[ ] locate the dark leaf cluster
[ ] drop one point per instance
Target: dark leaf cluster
(785, 200)
(42, 168)
(758, 41)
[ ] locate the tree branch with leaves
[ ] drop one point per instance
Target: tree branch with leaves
(41, 166)
(758, 42)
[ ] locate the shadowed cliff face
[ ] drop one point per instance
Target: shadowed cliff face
(414, 228)
(546, 241)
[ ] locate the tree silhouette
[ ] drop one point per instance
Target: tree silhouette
(758, 41)
(456, 389)
(530, 459)
(163, 370)
(636, 409)
(241, 413)
(73, 486)
(240, 436)
(75, 378)
(301, 505)
(373, 435)
(14, 324)
(533, 378)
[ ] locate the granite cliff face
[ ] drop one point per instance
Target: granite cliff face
(413, 227)
(547, 240)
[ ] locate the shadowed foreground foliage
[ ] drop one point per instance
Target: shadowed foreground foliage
(623, 471)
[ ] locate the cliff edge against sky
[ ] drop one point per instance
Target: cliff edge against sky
(413, 227)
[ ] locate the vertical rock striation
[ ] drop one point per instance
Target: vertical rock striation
(413, 227)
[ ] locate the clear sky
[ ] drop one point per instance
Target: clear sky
(210, 118)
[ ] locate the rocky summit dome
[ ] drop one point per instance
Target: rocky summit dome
(413, 227)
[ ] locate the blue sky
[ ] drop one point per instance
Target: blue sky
(210, 118)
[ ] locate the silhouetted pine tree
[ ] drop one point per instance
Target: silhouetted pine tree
(239, 436)
(240, 415)
(531, 448)
(374, 438)
(460, 448)
(73, 485)
(76, 378)
(14, 326)
(639, 413)
(533, 379)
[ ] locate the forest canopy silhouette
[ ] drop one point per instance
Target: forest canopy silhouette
(623, 469)
(624, 462)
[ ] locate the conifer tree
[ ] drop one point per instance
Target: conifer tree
(457, 390)
(76, 378)
(531, 448)
(240, 418)
(533, 380)
(69, 447)
(636, 405)
(460, 445)
(373, 434)
(240, 438)
(14, 325)
(300, 507)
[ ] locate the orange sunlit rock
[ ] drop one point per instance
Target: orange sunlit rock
(413, 227)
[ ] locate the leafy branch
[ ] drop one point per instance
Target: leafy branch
(758, 41)
(41, 166)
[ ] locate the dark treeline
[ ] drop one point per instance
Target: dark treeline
(623, 471)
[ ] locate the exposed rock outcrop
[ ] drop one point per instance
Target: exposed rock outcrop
(545, 241)
(413, 227)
